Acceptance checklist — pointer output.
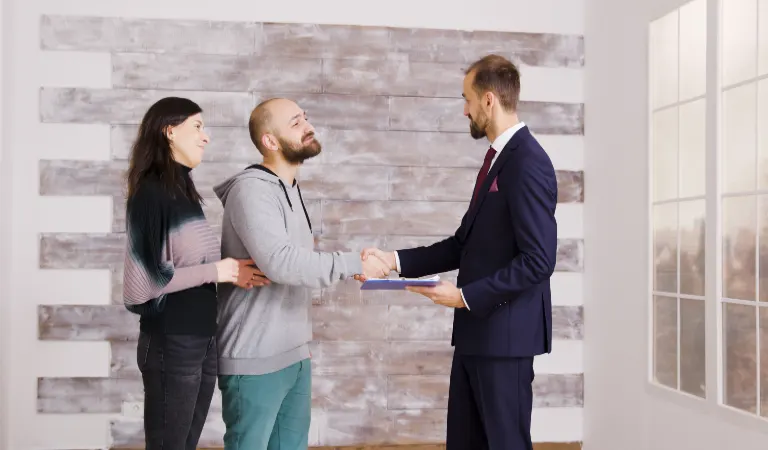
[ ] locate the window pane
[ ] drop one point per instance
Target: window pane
(692, 347)
(663, 36)
(762, 28)
(665, 341)
(692, 247)
(739, 253)
(740, 354)
(739, 46)
(693, 39)
(665, 154)
(762, 131)
(739, 138)
(665, 248)
(764, 362)
(692, 148)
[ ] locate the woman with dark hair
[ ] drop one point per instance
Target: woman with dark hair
(172, 265)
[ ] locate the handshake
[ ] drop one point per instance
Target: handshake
(376, 264)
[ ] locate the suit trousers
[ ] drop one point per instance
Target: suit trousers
(489, 403)
(179, 375)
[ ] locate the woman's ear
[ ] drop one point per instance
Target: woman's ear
(169, 133)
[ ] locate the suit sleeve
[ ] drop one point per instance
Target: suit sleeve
(149, 272)
(532, 197)
(442, 256)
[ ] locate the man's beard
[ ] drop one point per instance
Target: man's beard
(297, 153)
(477, 130)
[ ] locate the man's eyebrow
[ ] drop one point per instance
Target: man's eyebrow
(303, 113)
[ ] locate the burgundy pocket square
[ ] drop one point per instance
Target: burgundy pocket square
(494, 186)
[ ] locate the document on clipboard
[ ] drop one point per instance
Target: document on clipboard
(394, 284)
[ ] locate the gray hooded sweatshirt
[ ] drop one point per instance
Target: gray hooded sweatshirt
(268, 328)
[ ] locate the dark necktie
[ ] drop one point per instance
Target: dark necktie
(483, 172)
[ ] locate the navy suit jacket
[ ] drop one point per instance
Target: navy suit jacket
(505, 250)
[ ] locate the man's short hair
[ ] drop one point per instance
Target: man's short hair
(497, 74)
(259, 124)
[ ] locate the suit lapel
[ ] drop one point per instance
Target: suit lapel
(495, 169)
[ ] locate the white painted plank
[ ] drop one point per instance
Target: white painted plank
(566, 152)
(78, 141)
(550, 84)
(570, 221)
(566, 357)
(72, 287)
(557, 424)
(72, 359)
(74, 214)
(75, 69)
(567, 289)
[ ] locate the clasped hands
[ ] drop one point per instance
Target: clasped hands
(378, 264)
(243, 273)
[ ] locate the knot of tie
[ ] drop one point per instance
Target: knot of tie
(490, 154)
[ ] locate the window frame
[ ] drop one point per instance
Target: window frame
(713, 401)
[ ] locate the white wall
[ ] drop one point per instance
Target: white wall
(4, 235)
(630, 415)
(27, 68)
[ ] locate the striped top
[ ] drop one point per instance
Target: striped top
(169, 270)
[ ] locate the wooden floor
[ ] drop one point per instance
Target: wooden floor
(536, 446)
(539, 446)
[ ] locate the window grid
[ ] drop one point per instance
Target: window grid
(755, 79)
(679, 103)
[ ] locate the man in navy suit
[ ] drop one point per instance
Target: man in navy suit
(505, 250)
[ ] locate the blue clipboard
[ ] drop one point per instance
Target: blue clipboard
(397, 284)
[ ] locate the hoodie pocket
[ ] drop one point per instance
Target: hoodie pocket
(278, 326)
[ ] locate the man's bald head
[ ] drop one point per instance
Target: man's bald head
(260, 122)
(279, 125)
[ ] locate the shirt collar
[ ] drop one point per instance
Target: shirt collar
(502, 139)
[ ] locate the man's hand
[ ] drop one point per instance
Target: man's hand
(373, 267)
(250, 275)
(387, 257)
(445, 293)
(372, 253)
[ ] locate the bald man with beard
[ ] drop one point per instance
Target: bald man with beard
(264, 332)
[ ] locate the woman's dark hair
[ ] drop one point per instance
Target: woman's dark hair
(151, 151)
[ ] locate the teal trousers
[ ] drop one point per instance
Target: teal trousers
(268, 412)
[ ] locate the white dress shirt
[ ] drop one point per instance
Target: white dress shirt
(498, 145)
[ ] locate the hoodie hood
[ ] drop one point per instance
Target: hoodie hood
(259, 172)
(255, 171)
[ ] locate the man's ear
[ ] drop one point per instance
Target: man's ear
(488, 98)
(269, 141)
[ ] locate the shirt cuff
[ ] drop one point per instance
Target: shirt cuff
(464, 299)
(397, 262)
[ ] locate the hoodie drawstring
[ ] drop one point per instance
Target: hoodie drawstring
(306, 214)
(285, 191)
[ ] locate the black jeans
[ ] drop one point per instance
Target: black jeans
(179, 374)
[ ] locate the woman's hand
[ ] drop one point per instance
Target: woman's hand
(250, 275)
(228, 270)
